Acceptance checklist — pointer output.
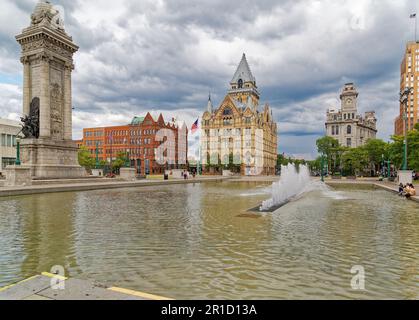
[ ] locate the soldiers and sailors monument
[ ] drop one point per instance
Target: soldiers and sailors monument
(47, 149)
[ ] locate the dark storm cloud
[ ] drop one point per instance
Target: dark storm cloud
(163, 55)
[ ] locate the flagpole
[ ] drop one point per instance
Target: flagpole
(199, 150)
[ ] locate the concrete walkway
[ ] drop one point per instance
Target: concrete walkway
(389, 186)
(69, 185)
(52, 287)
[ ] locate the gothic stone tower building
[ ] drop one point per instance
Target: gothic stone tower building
(47, 58)
(237, 131)
(346, 125)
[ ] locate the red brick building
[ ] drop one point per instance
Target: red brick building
(142, 140)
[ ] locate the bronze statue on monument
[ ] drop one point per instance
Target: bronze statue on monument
(30, 123)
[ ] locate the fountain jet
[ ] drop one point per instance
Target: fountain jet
(292, 184)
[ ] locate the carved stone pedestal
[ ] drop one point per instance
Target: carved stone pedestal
(128, 174)
(18, 176)
(51, 159)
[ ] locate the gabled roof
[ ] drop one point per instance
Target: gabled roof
(243, 72)
(160, 120)
(227, 101)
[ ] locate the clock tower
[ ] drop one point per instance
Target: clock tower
(349, 97)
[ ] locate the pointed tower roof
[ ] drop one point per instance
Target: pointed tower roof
(160, 120)
(243, 72)
(209, 105)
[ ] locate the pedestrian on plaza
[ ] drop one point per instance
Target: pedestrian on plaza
(407, 191)
(401, 189)
(412, 190)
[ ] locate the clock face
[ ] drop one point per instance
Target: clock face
(348, 101)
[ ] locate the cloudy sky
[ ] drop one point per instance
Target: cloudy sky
(166, 55)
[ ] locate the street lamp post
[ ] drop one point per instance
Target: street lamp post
(383, 169)
(322, 168)
(404, 99)
(17, 162)
(388, 168)
(97, 155)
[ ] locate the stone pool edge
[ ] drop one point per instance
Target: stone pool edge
(40, 189)
(391, 188)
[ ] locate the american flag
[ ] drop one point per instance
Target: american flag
(195, 126)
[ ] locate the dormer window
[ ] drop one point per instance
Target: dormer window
(227, 112)
(240, 83)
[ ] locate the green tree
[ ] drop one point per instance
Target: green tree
(376, 149)
(119, 162)
(328, 146)
(355, 161)
(315, 165)
(281, 160)
(85, 158)
(396, 150)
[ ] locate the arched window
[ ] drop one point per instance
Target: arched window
(349, 130)
(240, 83)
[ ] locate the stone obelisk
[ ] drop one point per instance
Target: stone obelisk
(47, 58)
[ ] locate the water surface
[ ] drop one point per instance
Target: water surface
(197, 241)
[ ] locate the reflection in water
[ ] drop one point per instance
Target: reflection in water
(36, 233)
(195, 241)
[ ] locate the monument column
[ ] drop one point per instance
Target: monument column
(67, 113)
(26, 85)
(44, 110)
(47, 56)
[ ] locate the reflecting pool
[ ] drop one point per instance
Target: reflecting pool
(198, 241)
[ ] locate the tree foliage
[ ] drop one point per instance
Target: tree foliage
(120, 161)
(355, 161)
(85, 158)
(370, 156)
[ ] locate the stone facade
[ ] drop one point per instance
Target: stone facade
(346, 125)
(139, 139)
(237, 129)
(47, 58)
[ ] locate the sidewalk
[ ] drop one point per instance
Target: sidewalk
(48, 286)
(389, 186)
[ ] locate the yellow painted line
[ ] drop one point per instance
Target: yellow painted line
(14, 284)
(55, 276)
(138, 294)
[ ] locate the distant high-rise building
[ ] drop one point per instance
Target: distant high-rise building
(409, 78)
(346, 125)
